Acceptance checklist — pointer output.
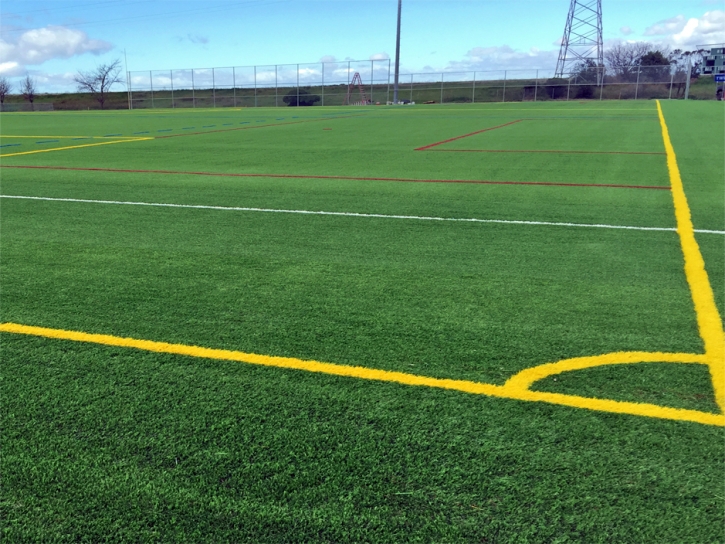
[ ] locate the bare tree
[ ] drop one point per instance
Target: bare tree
(624, 58)
(694, 58)
(99, 81)
(5, 88)
(27, 87)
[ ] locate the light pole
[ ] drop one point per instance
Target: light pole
(397, 57)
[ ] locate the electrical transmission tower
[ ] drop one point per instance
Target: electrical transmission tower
(356, 81)
(582, 42)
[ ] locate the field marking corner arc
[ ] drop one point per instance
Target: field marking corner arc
(520, 385)
(517, 388)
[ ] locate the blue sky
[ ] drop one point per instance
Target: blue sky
(52, 39)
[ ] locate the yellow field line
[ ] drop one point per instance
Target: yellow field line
(708, 318)
(506, 391)
(71, 147)
(518, 386)
(13, 136)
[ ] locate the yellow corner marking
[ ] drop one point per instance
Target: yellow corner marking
(526, 378)
(72, 147)
(507, 391)
(708, 318)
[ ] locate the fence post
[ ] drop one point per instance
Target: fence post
(688, 77)
(213, 89)
(411, 88)
(441, 88)
(130, 92)
(234, 85)
(473, 99)
(151, 81)
(568, 88)
(387, 94)
(193, 96)
(536, 85)
(601, 84)
(323, 84)
(276, 103)
(672, 80)
(372, 79)
(298, 85)
(255, 83)
(171, 77)
(503, 98)
(636, 87)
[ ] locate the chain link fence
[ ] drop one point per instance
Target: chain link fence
(331, 84)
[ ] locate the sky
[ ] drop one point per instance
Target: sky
(52, 40)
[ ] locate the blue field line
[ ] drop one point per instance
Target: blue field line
(244, 123)
(142, 132)
(187, 128)
(208, 126)
(107, 135)
(47, 141)
(227, 124)
(262, 121)
(280, 119)
(84, 138)
(9, 145)
(164, 130)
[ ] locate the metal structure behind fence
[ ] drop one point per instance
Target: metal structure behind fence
(327, 84)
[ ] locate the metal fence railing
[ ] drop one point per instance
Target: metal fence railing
(329, 84)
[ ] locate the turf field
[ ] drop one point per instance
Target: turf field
(479, 323)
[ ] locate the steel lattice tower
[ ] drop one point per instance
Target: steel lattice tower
(582, 40)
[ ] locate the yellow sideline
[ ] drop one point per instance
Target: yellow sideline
(13, 136)
(708, 318)
(518, 386)
(4, 155)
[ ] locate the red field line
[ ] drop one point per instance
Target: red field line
(349, 178)
(251, 127)
(466, 135)
(547, 151)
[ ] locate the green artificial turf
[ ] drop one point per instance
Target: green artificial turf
(112, 444)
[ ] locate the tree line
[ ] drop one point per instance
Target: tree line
(96, 82)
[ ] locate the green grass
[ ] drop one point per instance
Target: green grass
(112, 444)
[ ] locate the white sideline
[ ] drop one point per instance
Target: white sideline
(353, 214)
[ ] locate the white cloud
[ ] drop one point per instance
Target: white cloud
(504, 58)
(36, 46)
(379, 56)
(10, 69)
(668, 26)
(682, 33)
(626, 30)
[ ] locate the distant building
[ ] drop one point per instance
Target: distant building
(714, 62)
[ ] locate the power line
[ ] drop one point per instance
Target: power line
(67, 7)
(157, 15)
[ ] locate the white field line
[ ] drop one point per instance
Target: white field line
(353, 214)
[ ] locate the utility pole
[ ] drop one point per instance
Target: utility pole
(397, 57)
(128, 78)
